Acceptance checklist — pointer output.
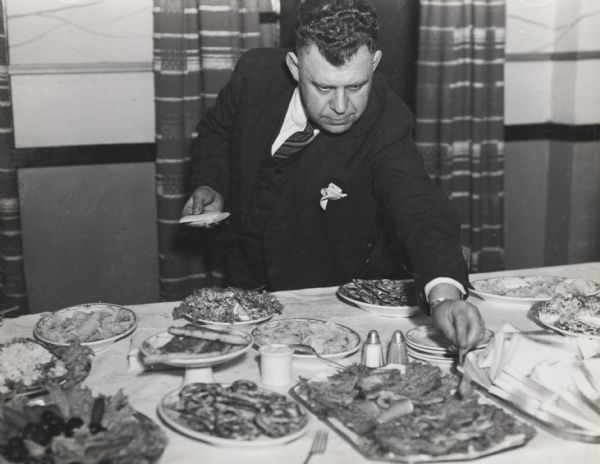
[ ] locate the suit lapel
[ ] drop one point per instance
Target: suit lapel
(258, 138)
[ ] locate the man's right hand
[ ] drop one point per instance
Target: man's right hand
(203, 200)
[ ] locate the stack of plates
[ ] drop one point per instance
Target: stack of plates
(426, 343)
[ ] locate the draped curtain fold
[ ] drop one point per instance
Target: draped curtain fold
(13, 295)
(196, 45)
(460, 116)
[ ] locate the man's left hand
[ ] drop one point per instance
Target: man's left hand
(460, 322)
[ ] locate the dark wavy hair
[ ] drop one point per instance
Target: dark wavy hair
(337, 27)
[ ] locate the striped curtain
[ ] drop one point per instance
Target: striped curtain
(460, 116)
(196, 45)
(13, 298)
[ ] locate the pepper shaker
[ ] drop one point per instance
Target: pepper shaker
(396, 353)
(372, 352)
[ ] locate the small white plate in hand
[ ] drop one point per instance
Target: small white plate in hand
(204, 219)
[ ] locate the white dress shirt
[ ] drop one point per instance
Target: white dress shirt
(295, 120)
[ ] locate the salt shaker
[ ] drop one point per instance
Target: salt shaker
(276, 364)
(372, 352)
(396, 353)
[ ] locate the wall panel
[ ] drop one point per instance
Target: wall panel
(89, 234)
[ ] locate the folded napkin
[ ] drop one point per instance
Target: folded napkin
(546, 375)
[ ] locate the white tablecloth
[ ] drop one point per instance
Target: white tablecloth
(110, 372)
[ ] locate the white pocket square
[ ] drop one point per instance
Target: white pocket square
(331, 192)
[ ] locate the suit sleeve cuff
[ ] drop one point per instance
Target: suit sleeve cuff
(443, 280)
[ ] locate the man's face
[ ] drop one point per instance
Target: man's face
(333, 97)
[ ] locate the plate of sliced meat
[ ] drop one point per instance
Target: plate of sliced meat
(195, 346)
(384, 297)
(411, 415)
(240, 415)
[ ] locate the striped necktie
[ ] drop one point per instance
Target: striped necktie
(295, 142)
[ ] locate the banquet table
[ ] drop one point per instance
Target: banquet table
(111, 372)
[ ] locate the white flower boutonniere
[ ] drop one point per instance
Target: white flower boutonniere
(332, 192)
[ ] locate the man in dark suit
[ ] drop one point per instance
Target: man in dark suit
(347, 196)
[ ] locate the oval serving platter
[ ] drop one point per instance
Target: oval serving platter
(528, 289)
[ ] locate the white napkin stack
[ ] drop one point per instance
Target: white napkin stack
(549, 376)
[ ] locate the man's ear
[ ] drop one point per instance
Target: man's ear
(291, 59)
(376, 59)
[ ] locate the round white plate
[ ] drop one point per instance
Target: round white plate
(428, 339)
(288, 338)
(96, 345)
(548, 284)
(204, 219)
(259, 442)
(238, 324)
(152, 344)
(380, 310)
(549, 320)
(430, 359)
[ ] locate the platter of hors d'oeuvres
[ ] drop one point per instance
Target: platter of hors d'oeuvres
(410, 414)
(574, 315)
(383, 297)
(96, 325)
(328, 338)
(228, 306)
(527, 289)
(67, 425)
(240, 415)
(47, 416)
(27, 366)
(195, 346)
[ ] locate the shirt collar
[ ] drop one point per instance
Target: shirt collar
(297, 112)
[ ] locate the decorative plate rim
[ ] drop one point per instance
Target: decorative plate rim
(521, 300)
(341, 354)
(200, 361)
(98, 344)
(261, 442)
(404, 311)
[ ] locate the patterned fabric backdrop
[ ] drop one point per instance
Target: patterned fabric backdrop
(13, 298)
(460, 116)
(196, 45)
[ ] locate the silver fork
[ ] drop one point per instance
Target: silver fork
(298, 347)
(318, 445)
(464, 387)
